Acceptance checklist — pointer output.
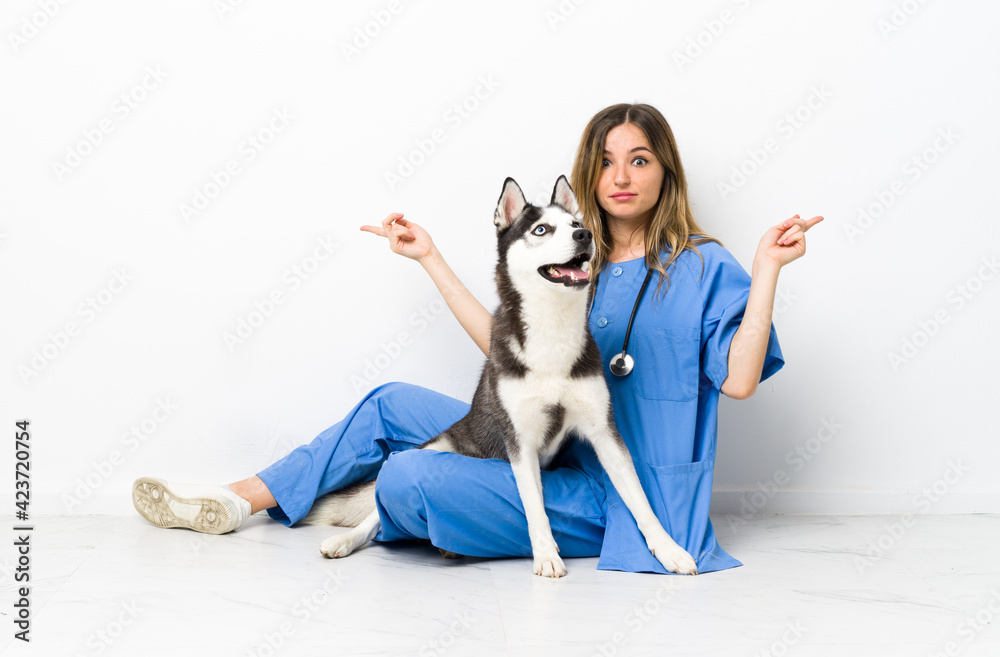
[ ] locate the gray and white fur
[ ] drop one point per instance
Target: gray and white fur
(543, 380)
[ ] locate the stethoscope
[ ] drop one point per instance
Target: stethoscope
(622, 364)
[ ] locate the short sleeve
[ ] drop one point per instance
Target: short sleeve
(725, 288)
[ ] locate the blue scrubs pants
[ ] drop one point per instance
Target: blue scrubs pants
(464, 505)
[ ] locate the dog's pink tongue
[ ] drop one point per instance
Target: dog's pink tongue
(571, 272)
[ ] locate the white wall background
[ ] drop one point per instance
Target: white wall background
(884, 80)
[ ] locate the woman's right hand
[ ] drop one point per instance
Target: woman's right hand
(408, 239)
(405, 237)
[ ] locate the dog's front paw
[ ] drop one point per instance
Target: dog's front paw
(338, 546)
(549, 565)
(676, 560)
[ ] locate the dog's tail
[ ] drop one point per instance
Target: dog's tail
(343, 508)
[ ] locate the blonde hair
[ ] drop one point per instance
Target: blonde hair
(672, 226)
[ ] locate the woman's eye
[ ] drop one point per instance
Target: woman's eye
(639, 161)
(540, 230)
(605, 163)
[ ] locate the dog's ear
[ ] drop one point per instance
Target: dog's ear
(510, 206)
(563, 196)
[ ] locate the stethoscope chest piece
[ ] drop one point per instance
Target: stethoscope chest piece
(621, 364)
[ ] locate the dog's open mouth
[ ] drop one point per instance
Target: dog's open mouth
(574, 273)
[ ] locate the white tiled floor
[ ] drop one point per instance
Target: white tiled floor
(810, 587)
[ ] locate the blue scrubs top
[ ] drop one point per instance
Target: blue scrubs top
(667, 408)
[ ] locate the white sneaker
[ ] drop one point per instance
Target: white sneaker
(210, 509)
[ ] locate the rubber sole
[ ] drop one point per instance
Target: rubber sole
(161, 507)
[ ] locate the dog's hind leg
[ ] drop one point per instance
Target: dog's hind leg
(353, 506)
(343, 544)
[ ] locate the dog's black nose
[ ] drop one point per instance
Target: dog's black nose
(582, 235)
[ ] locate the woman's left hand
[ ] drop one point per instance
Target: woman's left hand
(787, 241)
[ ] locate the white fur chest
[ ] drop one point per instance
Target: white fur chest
(555, 335)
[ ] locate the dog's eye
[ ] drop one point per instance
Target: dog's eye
(540, 230)
(577, 224)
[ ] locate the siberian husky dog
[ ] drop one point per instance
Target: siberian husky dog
(542, 382)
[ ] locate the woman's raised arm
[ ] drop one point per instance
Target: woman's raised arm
(780, 245)
(410, 240)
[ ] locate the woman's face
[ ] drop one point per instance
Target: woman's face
(631, 176)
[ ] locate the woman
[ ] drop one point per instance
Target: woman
(705, 328)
